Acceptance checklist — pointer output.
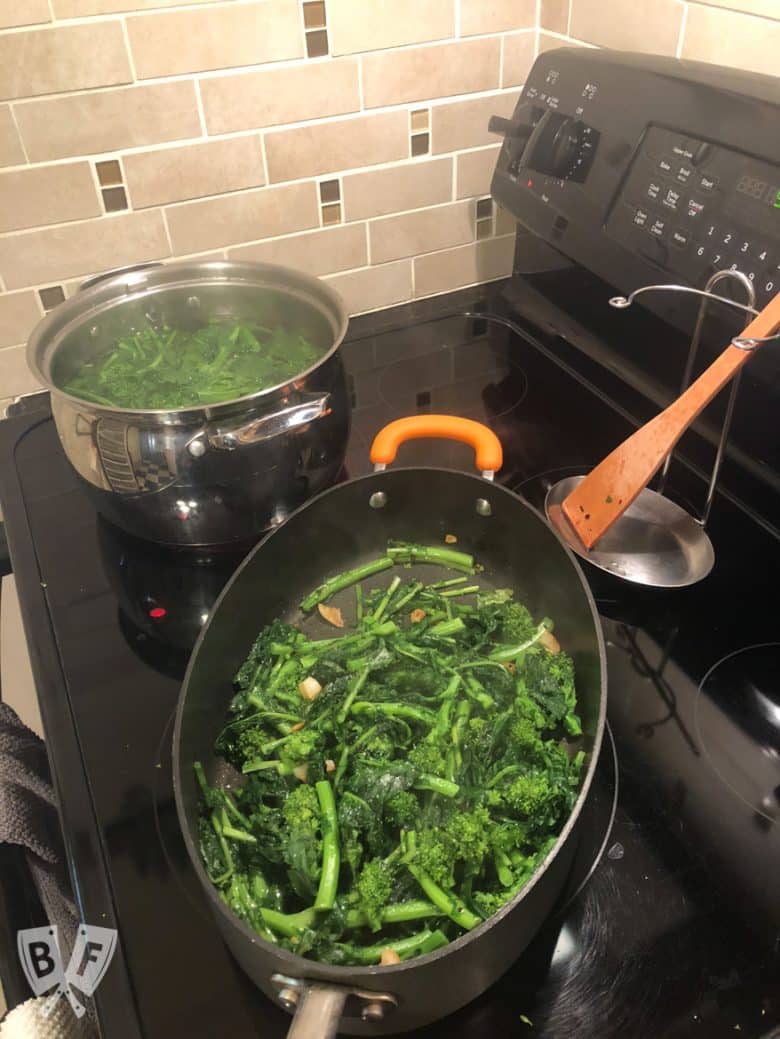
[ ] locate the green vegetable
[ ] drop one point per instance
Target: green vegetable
(425, 781)
(172, 368)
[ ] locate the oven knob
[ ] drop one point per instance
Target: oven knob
(556, 145)
(515, 129)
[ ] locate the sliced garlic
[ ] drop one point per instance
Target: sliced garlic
(416, 616)
(331, 614)
(301, 772)
(389, 957)
(550, 643)
(309, 688)
(330, 765)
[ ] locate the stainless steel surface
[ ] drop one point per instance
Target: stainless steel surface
(654, 543)
(209, 474)
(319, 1012)
(621, 302)
(133, 268)
(319, 1008)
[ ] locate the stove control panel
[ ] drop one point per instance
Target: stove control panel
(643, 168)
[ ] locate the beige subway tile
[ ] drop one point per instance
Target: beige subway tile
(765, 8)
(552, 43)
(283, 95)
(554, 16)
(374, 287)
(11, 153)
(81, 8)
(466, 265)
(264, 213)
(352, 27)
(70, 57)
(339, 145)
(19, 313)
(409, 234)
(464, 124)
(519, 53)
(475, 171)
(480, 16)
(72, 285)
(108, 120)
(318, 252)
(47, 195)
(215, 37)
(15, 376)
(396, 76)
(650, 28)
(193, 170)
(728, 38)
(56, 253)
(410, 185)
(23, 12)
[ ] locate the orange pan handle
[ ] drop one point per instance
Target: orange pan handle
(486, 444)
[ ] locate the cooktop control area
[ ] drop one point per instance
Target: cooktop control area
(684, 180)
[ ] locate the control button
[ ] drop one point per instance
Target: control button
(701, 153)
(728, 240)
(657, 227)
(706, 182)
(641, 217)
(711, 231)
(671, 199)
(769, 284)
(665, 164)
(694, 208)
(683, 150)
(681, 238)
(762, 253)
(717, 259)
(654, 189)
(684, 173)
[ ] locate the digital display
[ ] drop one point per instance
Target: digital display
(761, 190)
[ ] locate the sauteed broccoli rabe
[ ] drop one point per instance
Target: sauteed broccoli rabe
(402, 779)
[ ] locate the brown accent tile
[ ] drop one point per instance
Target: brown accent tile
(397, 76)
(388, 24)
(421, 144)
(339, 145)
(215, 37)
(484, 208)
(47, 195)
(330, 191)
(23, 12)
(728, 38)
(166, 175)
(317, 43)
(80, 8)
(51, 297)
(424, 231)
(114, 199)
(484, 228)
(467, 265)
(255, 100)
(626, 25)
(314, 14)
(15, 376)
(480, 16)
(108, 120)
(505, 222)
(265, 213)
(56, 253)
(11, 153)
(475, 171)
(420, 119)
(20, 312)
(317, 252)
(108, 173)
(70, 57)
(374, 287)
(331, 214)
(554, 16)
(519, 50)
(411, 185)
(463, 124)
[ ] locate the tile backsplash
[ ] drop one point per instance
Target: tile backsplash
(342, 137)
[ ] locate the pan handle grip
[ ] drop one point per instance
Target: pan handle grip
(445, 427)
(319, 1012)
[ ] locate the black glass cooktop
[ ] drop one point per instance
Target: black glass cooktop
(670, 921)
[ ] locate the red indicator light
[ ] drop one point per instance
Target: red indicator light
(530, 184)
(157, 612)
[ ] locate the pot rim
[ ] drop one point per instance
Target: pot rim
(317, 970)
(132, 284)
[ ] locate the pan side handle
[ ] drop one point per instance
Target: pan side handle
(487, 446)
(319, 1012)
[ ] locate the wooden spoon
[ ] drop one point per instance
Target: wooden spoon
(608, 490)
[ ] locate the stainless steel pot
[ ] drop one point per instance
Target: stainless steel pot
(210, 474)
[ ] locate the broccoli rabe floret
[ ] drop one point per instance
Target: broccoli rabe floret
(301, 810)
(428, 757)
(402, 809)
(373, 889)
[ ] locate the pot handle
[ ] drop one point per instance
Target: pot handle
(319, 1012)
(306, 409)
(445, 427)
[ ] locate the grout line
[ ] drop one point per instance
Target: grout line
(457, 19)
(201, 111)
(51, 11)
(21, 140)
(264, 158)
(368, 245)
(98, 188)
(538, 14)
(167, 230)
(683, 28)
(569, 18)
(501, 61)
(454, 179)
(128, 48)
(361, 95)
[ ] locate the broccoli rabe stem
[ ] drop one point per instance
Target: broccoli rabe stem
(402, 600)
(512, 652)
(289, 924)
(400, 913)
(448, 627)
(391, 590)
(394, 710)
(445, 787)
(331, 858)
(447, 584)
(472, 589)
(416, 945)
(403, 553)
(355, 688)
(447, 901)
(344, 580)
